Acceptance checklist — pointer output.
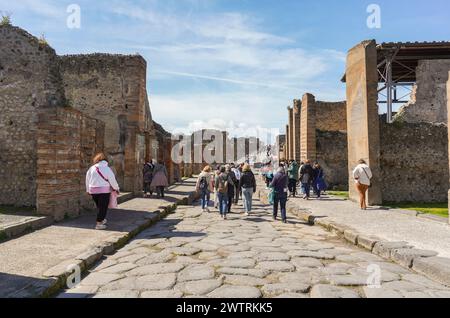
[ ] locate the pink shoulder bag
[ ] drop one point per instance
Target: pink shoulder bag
(113, 196)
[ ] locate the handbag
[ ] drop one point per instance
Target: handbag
(367, 175)
(113, 196)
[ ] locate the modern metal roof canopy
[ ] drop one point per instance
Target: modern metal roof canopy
(397, 64)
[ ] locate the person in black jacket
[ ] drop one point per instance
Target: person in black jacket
(306, 178)
(248, 185)
(231, 187)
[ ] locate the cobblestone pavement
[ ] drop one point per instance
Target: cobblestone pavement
(195, 254)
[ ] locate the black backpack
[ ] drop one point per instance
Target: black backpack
(203, 184)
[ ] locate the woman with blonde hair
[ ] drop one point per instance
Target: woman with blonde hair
(204, 186)
(101, 184)
(363, 176)
(248, 185)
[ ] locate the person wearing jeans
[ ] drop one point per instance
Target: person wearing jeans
(306, 178)
(204, 186)
(221, 183)
(248, 185)
(280, 186)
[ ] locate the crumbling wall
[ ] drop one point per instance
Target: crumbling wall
(112, 88)
(29, 83)
(332, 156)
(429, 98)
(414, 162)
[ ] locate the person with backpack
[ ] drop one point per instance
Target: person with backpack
(231, 186)
(363, 179)
(248, 185)
(280, 188)
(221, 184)
(148, 178)
(101, 184)
(204, 187)
(237, 172)
(293, 178)
(306, 178)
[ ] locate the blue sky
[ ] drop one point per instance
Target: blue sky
(231, 63)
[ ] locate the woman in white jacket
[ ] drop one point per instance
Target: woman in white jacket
(363, 176)
(100, 182)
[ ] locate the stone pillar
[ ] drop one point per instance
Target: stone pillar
(448, 119)
(362, 115)
(297, 130)
(291, 133)
(308, 128)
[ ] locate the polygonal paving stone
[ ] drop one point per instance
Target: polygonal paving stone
(119, 268)
(385, 275)
(156, 258)
(423, 281)
(154, 269)
(390, 267)
(208, 256)
(260, 273)
(382, 292)
(147, 283)
(300, 262)
(242, 280)
(206, 247)
(184, 251)
(247, 254)
(185, 260)
(277, 266)
(237, 263)
(349, 280)
(287, 287)
(118, 294)
(100, 279)
(132, 258)
(235, 292)
(200, 287)
(264, 257)
(403, 286)
(330, 291)
(310, 254)
(196, 272)
(292, 295)
(162, 294)
(337, 268)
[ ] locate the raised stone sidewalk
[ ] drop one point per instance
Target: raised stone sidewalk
(35, 265)
(422, 244)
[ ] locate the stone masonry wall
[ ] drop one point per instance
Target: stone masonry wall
(29, 82)
(331, 116)
(332, 156)
(414, 162)
(66, 143)
(429, 98)
(112, 88)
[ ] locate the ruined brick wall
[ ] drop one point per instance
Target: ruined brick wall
(414, 162)
(112, 88)
(331, 116)
(29, 82)
(429, 98)
(332, 156)
(66, 143)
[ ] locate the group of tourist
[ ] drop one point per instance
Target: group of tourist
(228, 183)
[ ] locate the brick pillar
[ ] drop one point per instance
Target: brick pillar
(362, 115)
(448, 118)
(308, 128)
(291, 133)
(297, 130)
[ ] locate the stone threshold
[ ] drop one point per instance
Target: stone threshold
(55, 278)
(421, 261)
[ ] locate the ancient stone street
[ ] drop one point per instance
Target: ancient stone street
(195, 254)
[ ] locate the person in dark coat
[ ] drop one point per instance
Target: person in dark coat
(319, 184)
(306, 178)
(148, 178)
(280, 186)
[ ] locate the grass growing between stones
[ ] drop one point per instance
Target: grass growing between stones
(439, 209)
(341, 194)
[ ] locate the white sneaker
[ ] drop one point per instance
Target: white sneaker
(101, 227)
(105, 221)
(247, 214)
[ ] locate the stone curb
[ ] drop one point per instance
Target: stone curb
(421, 261)
(24, 227)
(58, 274)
